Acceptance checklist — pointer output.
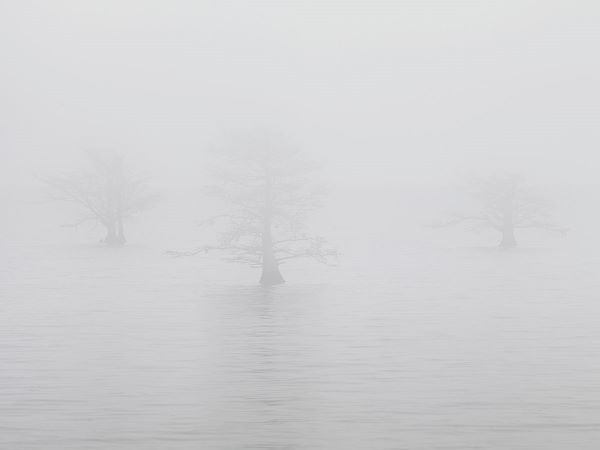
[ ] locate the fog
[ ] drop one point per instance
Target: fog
(299, 224)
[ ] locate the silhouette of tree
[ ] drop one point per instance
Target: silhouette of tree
(107, 191)
(506, 204)
(269, 194)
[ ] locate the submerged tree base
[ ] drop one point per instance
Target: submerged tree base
(508, 243)
(508, 238)
(114, 241)
(271, 278)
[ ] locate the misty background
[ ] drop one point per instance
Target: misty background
(390, 96)
(420, 337)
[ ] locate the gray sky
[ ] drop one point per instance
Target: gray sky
(386, 92)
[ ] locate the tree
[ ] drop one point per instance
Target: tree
(107, 192)
(268, 194)
(505, 204)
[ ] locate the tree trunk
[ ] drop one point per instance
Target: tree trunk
(270, 274)
(270, 267)
(120, 232)
(508, 238)
(112, 235)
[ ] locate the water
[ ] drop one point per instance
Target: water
(443, 348)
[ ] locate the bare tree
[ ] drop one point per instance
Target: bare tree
(106, 191)
(268, 192)
(505, 204)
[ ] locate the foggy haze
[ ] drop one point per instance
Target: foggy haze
(299, 224)
(385, 91)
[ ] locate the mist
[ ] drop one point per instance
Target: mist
(299, 224)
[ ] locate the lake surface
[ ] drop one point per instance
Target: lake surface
(468, 348)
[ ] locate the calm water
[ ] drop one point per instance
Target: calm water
(448, 349)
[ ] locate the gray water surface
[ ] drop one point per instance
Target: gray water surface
(126, 349)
